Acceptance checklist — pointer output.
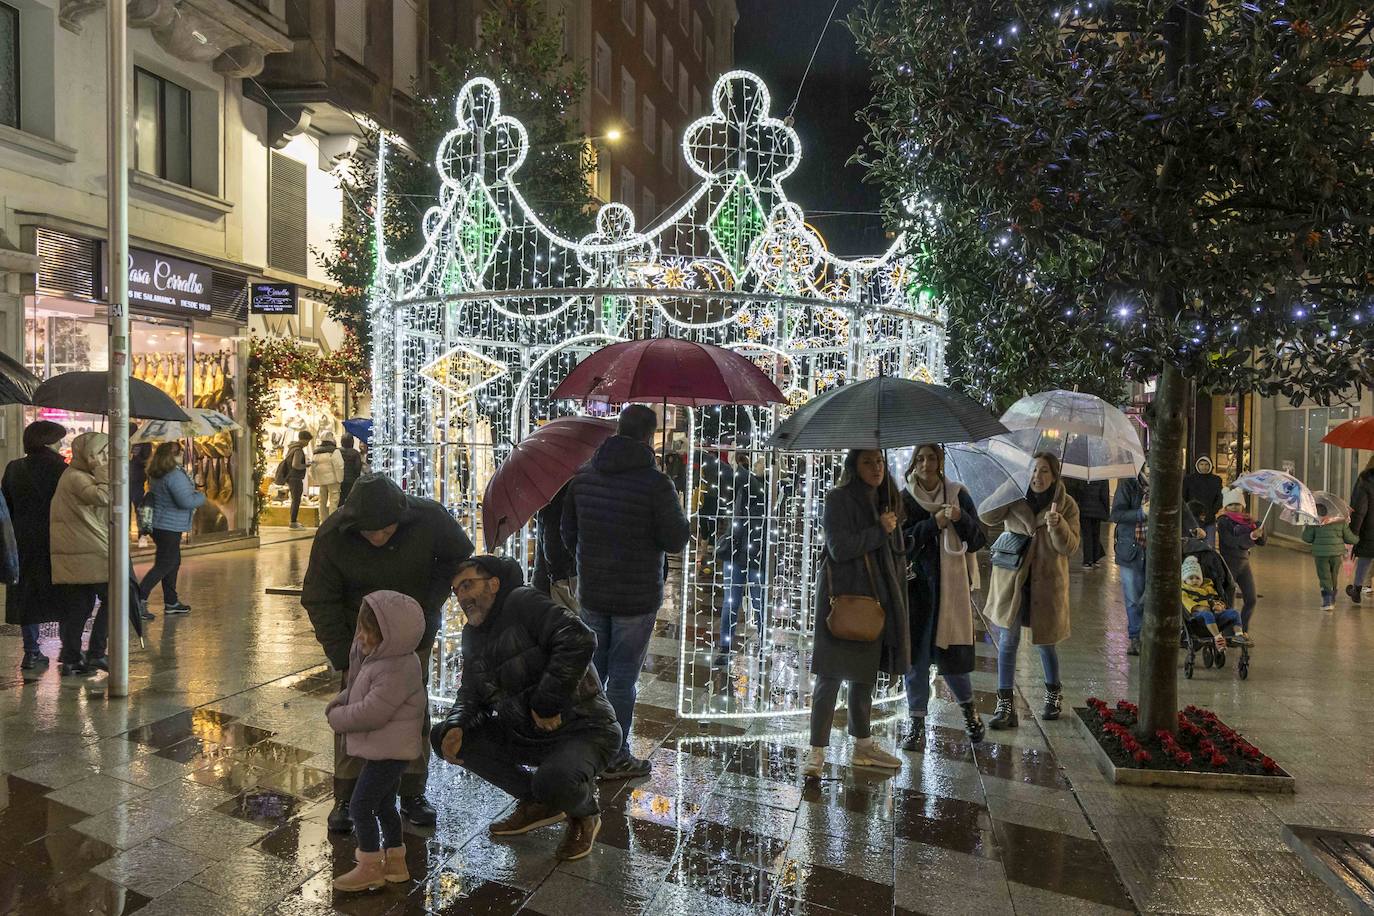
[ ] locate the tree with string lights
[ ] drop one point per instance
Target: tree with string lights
(522, 50)
(1176, 190)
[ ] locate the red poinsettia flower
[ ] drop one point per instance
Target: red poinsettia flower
(1142, 756)
(1218, 760)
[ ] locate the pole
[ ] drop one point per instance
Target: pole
(117, 167)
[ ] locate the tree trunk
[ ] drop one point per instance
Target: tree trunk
(1163, 558)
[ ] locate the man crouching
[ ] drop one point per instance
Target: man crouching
(529, 698)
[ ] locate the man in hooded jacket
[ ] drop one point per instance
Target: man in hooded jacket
(1204, 488)
(381, 540)
(530, 697)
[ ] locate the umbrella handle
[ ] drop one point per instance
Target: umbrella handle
(1264, 520)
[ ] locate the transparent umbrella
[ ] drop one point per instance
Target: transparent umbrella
(1091, 438)
(1336, 511)
(995, 472)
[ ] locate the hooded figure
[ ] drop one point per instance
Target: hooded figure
(1204, 487)
(381, 710)
(80, 515)
(28, 488)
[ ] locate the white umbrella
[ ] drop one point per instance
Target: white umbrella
(995, 472)
(1091, 438)
(202, 422)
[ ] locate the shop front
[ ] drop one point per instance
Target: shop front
(187, 326)
(1290, 440)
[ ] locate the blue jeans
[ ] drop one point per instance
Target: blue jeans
(1133, 593)
(918, 678)
(1007, 642)
(374, 802)
(1220, 619)
(621, 644)
(734, 598)
(30, 631)
(1362, 565)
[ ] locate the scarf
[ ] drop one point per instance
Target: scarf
(954, 618)
(1038, 502)
(1142, 527)
(1240, 518)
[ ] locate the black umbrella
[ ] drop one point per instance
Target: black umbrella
(17, 383)
(885, 413)
(89, 392)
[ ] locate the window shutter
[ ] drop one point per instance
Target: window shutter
(350, 28)
(405, 39)
(286, 245)
(68, 265)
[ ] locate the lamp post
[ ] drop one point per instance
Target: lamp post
(117, 183)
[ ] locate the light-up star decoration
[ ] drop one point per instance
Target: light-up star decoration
(497, 307)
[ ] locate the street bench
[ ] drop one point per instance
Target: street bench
(1343, 859)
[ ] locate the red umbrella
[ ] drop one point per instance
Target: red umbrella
(1357, 433)
(671, 371)
(536, 470)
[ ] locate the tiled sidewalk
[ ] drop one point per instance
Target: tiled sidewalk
(208, 792)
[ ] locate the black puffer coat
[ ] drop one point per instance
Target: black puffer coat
(420, 560)
(1094, 498)
(622, 515)
(745, 532)
(1361, 513)
(552, 561)
(28, 487)
(530, 655)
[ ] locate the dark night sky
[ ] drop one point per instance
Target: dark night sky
(774, 39)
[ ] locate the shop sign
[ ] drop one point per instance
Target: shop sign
(167, 283)
(273, 299)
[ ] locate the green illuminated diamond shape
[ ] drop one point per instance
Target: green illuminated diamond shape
(737, 224)
(481, 229)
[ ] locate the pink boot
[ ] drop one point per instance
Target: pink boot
(368, 875)
(396, 871)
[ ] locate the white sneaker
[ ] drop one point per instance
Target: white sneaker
(868, 753)
(814, 763)
(1328, 607)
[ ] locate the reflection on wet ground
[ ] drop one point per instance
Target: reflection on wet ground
(208, 791)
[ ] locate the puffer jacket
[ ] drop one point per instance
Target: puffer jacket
(1329, 540)
(621, 515)
(381, 711)
(175, 500)
(1362, 512)
(530, 654)
(80, 515)
(326, 466)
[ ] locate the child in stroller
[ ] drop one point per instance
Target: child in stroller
(1209, 626)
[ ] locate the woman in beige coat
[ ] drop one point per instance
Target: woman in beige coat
(80, 522)
(1036, 594)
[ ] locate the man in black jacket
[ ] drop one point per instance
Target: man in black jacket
(622, 515)
(1204, 487)
(380, 539)
(1094, 500)
(529, 698)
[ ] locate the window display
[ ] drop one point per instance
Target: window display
(316, 408)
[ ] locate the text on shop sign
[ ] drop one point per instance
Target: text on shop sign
(169, 283)
(273, 299)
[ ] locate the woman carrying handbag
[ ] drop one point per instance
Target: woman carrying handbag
(861, 612)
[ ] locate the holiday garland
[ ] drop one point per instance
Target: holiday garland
(312, 372)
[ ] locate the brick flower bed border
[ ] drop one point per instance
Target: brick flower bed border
(1203, 753)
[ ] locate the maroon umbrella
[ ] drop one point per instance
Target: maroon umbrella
(671, 371)
(536, 470)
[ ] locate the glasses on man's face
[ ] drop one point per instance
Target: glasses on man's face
(467, 586)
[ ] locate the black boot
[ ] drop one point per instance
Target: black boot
(1054, 700)
(418, 810)
(1353, 593)
(1005, 714)
(1134, 647)
(915, 739)
(973, 725)
(340, 821)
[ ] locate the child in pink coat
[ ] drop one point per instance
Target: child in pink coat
(380, 713)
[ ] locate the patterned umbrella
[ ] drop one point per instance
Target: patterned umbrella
(1336, 511)
(1091, 438)
(202, 422)
(1280, 489)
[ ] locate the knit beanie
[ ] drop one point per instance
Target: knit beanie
(1191, 567)
(1232, 497)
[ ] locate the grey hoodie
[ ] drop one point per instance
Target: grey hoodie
(381, 710)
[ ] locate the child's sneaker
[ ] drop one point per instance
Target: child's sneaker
(1240, 638)
(1328, 607)
(1220, 642)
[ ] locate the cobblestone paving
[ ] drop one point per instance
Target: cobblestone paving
(207, 791)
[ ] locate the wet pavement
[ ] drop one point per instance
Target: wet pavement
(207, 791)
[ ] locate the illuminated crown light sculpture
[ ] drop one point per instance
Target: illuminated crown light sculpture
(472, 334)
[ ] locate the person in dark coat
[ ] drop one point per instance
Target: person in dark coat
(865, 554)
(1094, 500)
(381, 540)
(555, 570)
(529, 697)
(28, 487)
(1130, 511)
(1237, 534)
(621, 518)
(1362, 523)
(739, 551)
(1204, 487)
(139, 456)
(941, 528)
(352, 463)
(297, 463)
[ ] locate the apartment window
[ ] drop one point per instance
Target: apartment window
(627, 187)
(286, 208)
(350, 28)
(405, 42)
(602, 68)
(666, 147)
(162, 128)
(710, 58)
(669, 63)
(683, 9)
(649, 128)
(696, 35)
(696, 102)
(682, 88)
(650, 210)
(9, 65)
(650, 34)
(629, 99)
(627, 13)
(477, 32)
(569, 31)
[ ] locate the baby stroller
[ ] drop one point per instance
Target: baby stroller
(1193, 634)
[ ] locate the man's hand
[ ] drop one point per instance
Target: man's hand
(453, 743)
(546, 725)
(889, 521)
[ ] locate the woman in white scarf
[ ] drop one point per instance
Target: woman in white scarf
(942, 534)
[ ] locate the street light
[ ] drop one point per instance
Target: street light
(613, 135)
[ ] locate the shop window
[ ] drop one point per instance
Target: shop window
(601, 66)
(9, 65)
(649, 129)
(162, 127)
(628, 99)
(350, 28)
(650, 34)
(405, 46)
(286, 207)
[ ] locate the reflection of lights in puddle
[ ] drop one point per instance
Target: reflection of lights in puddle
(444, 888)
(661, 809)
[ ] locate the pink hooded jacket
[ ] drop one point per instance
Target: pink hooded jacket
(381, 710)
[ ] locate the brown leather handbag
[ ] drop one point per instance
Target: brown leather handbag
(857, 618)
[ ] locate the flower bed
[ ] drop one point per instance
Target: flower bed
(1201, 746)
